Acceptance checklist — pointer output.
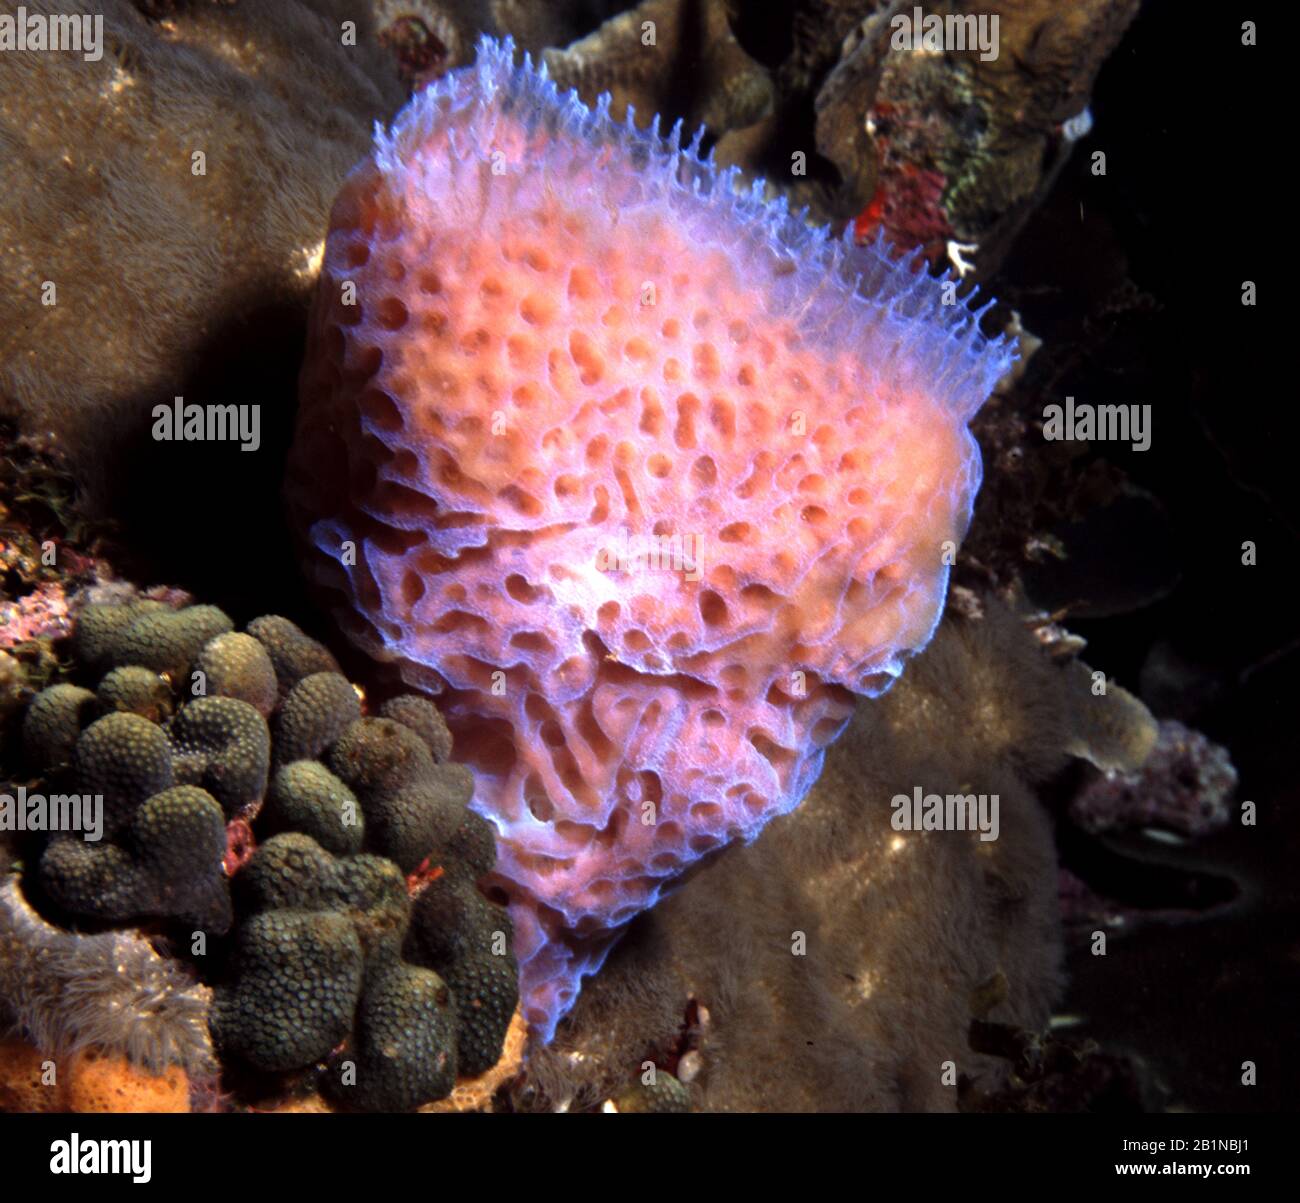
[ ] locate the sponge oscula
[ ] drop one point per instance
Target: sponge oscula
(648, 475)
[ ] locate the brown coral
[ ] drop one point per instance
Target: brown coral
(844, 959)
(177, 183)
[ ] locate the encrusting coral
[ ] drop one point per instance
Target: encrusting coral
(166, 862)
(166, 191)
(86, 1082)
(298, 966)
(411, 802)
(235, 665)
(293, 654)
(189, 779)
(723, 88)
(305, 796)
(135, 690)
(224, 745)
(649, 473)
(656, 1092)
(323, 957)
(317, 710)
(457, 933)
(55, 719)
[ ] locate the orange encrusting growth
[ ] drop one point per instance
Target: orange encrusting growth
(649, 477)
(88, 1081)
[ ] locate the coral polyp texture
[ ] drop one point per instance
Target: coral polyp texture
(334, 848)
(645, 474)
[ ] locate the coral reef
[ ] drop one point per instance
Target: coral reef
(831, 957)
(223, 745)
(88, 1082)
(133, 690)
(646, 483)
(457, 933)
(942, 148)
(945, 148)
(166, 862)
(411, 803)
(423, 718)
(235, 665)
(1184, 785)
(305, 796)
(469, 1094)
(293, 654)
(42, 612)
(694, 68)
(477, 1094)
(46, 562)
(490, 529)
(958, 147)
(316, 711)
(176, 185)
(319, 964)
(167, 794)
(297, 976)
(125, 758)
(316, 957)
(661, 1094)
(54, 721)
(65, 992)
(406, 1032)
(148, 634)
(429, 37)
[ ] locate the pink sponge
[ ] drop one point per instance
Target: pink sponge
(648, 476)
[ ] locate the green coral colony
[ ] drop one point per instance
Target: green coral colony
(352, 940)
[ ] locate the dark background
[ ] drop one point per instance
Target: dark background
(1190, 207)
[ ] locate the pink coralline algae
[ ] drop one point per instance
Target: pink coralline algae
(645, 475)
(41, 614)
(1185, 785)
